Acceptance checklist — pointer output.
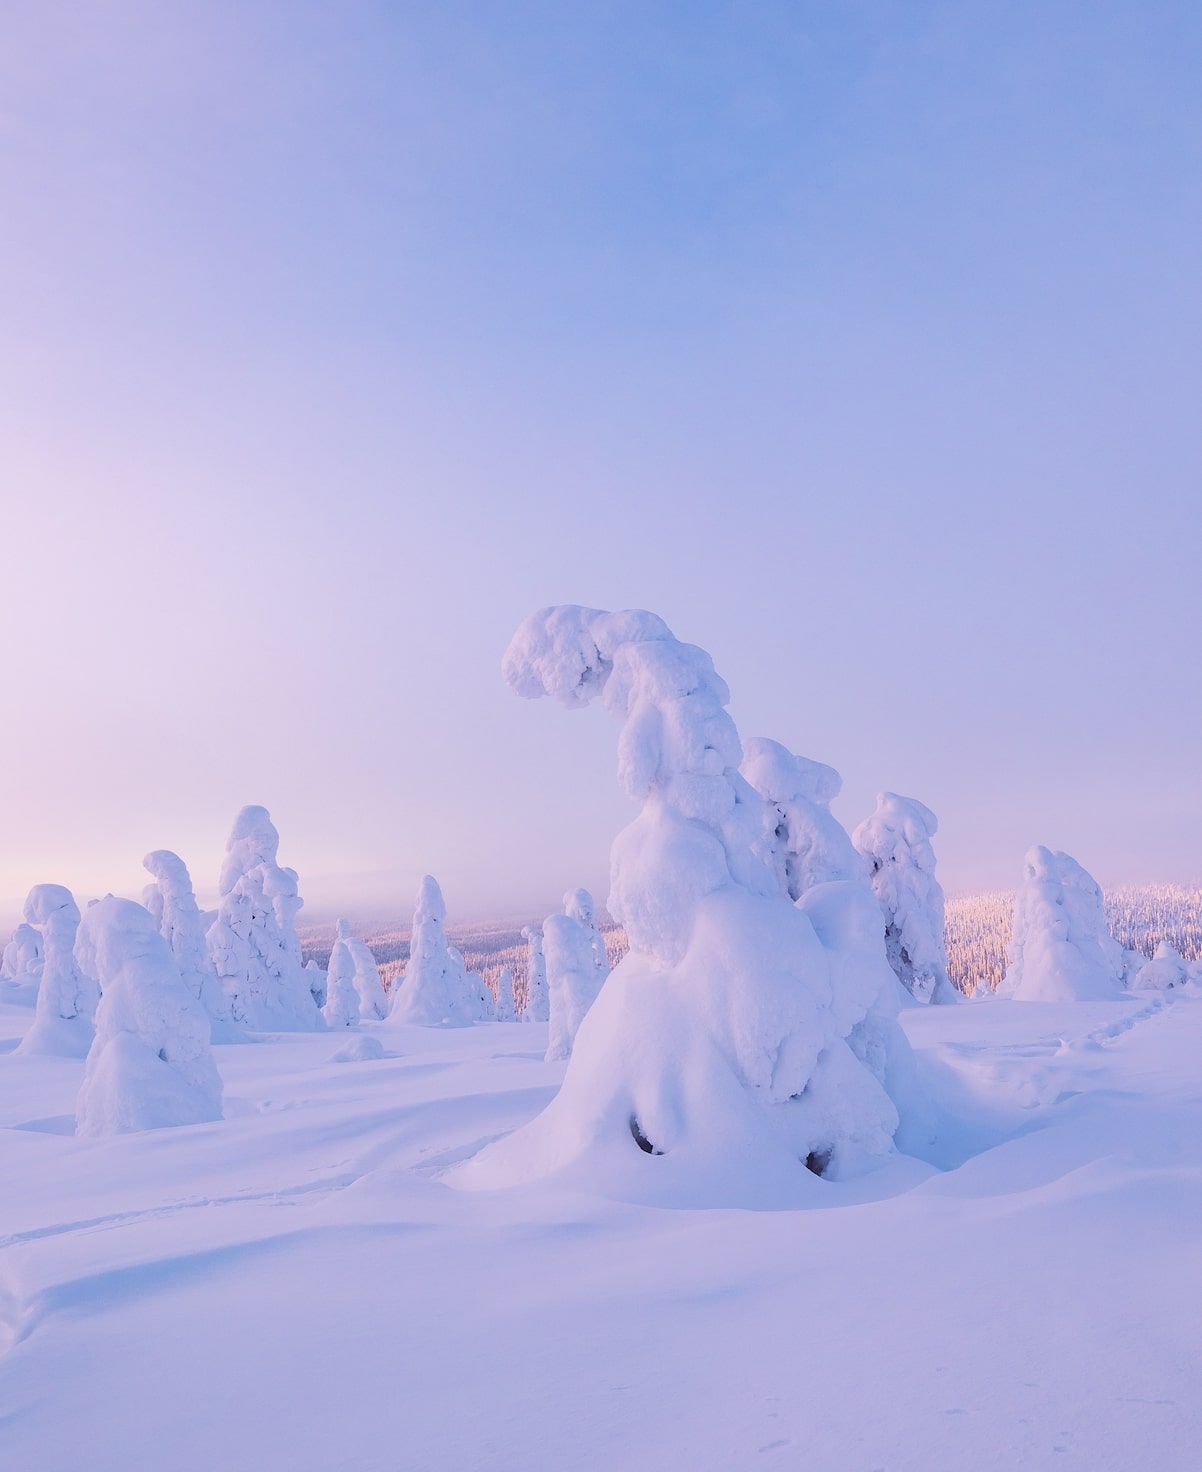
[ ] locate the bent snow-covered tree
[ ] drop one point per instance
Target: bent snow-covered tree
(576, 967)
(67, 997)
(896, 846)
(741, 1038)
(253, 943)
(537, 1007)
(434, 990)
(1062, 949)
(172, 902)
(150, 1064)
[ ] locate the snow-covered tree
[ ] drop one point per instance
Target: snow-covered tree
(896, 846)
(21, 968)
(742, 1037)
(342, 997)
(150, 1064)
(538, 1005)
(172, 902)
(316, 978)
(373, 1000)
(66, 996)
(253, 943)
(483, 1006)
(505, 1011)
(809, 844)
(576, 968)
(1062, 949)
(434, 989)
(1164, 971)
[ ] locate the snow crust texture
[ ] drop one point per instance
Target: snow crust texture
(67, 997)
(1062, 949)
(150, 1064)
(895, 842)
(253, 943)
(743, 1037)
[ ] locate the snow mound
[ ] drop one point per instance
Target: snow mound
(253, 942)
(67, 997)
(359, 1049)
(435, 990)
(1164, 971)
(151, 1064)
(740, 1045)
(895, 842)
(1062, 949)
(172, 902)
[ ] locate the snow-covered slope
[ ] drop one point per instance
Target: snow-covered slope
(295, 1288)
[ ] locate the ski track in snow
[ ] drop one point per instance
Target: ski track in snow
(295, 1287)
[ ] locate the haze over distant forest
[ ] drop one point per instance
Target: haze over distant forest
(861, 343)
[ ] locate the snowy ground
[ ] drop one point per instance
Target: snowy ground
(296, 1288)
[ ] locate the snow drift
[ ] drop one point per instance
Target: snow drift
(742, 1039)
(150, 1064)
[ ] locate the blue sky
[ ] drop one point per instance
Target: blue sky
(860, 341)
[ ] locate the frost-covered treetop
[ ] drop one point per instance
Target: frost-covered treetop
(783, 778)
(53, 905)
(254, 840)
(702, 826)
(431, 908)
(898, 823)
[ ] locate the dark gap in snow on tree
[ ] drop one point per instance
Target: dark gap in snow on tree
(817, 1161)
(641, 1140)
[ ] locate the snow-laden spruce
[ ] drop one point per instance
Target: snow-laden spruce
(742, 1038)
(373, 1000)
(67, 996)
(253, 942)
(504, 1010)
(151, 1064)
(172, 901)
(482, 1000)
(1062, 949)
(1164, 971)
(895, 843)
(576, 967)
(434, 990)
(341, 1007)
(811, 846)
(537, 1007)
(21, 966)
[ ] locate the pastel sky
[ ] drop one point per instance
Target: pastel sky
(861, 341)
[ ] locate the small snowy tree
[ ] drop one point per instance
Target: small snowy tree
(576, 968)
(342, 997)
(150, 1064)
(810, 845)
(434, 990)
(253, 943)
(896, 846)
(1164, 971)
(742, 1038)
(21, 968)
(1062, 949)
(505, 1011)
(483, 1006)
(66, 996)
(316, 978)
(537, 1007)
(172, 902)
(373, 1000)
